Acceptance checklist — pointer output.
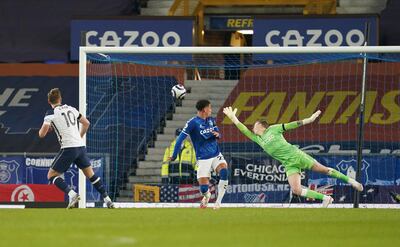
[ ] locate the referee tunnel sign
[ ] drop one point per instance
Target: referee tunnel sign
(227, 23)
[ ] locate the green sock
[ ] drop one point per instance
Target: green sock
(336, 174)
(312, 194)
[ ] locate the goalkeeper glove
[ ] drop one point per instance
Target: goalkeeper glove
(231, 114)
(312, 118)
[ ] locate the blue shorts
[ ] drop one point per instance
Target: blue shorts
(67, 156)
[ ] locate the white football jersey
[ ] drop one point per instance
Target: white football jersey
(64, 120)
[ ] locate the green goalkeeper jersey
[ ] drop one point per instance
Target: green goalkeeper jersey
(273, 142)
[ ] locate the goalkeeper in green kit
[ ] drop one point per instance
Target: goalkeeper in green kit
(271, 139)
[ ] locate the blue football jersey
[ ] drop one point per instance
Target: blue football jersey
(200, 132)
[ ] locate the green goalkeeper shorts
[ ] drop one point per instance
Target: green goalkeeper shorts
(303, 161)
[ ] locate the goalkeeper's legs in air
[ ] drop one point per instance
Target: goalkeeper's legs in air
(294, 180)
(317, 167)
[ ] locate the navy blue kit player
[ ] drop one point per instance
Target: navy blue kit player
(64, 120)
(204, 133)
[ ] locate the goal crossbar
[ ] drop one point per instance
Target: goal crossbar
(244, 50)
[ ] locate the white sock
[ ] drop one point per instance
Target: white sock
(71, 193)
(221, 190)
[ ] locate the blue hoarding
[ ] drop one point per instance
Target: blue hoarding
(130, 33)
(257, 178)
(33, 170)
(375, 170)
(314, 31)
(23, 105)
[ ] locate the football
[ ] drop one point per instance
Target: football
(178, 91)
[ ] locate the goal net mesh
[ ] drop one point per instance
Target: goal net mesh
(134, 120)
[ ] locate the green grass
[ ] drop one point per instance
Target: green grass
(194, 227)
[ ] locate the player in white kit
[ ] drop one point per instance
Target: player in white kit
(64, 120)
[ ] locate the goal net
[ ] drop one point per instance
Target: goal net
(126, 95)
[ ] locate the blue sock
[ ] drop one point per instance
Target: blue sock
(98, 185)
(223, 174)
(203, 188)
(60, 183)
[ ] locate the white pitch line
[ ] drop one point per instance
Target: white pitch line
(246, 205)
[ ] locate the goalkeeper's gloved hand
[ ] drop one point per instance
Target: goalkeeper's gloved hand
(312, 118)
(231, 114)
(172, 158)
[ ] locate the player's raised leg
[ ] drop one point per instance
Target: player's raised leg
(317, 167)
(222, 170)
(294, 180)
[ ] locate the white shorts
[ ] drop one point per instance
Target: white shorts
(209, 165)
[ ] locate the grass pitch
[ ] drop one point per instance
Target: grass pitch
(195, 227)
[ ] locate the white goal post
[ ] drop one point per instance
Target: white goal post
(84, 51)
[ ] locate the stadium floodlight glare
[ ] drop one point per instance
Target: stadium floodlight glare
(280, 84)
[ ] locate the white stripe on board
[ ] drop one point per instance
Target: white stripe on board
(243, 205)
(12, 206)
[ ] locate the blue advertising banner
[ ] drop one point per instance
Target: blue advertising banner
(371, 194)
(314, 31)
(375, 170)
(257, 193)
(261, 179)
(130, 33)
(280, 193)
(381, 170)
(257, 178)
(253, 169)
(33, 170)
(23, 105)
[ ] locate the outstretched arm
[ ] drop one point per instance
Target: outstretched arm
(182, 136)
(295, 124)
(231, 114)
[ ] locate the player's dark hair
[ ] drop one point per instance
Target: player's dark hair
(263, 123)
(201, 104)
(54, 96)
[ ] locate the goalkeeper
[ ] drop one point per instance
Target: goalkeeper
(271, 140)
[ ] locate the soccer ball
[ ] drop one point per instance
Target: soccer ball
(178, 91)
